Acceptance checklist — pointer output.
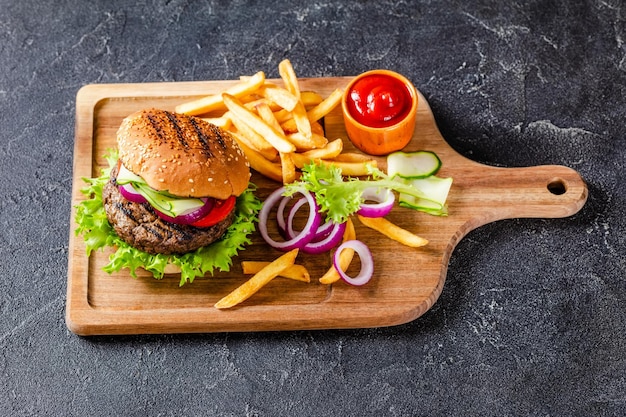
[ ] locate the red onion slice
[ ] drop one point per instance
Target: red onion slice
(190, 216)
(280, 215)
(288, 222)
(322, 231)
(367, 262)
(307, 233)
(131, 194)
(384, 198)
(330, 241)
(323, 240)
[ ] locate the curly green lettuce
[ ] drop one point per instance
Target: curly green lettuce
(98, 234)
(340, 197)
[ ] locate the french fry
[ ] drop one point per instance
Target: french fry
(310, 98)
(287, 73)
(280, 96)
(393, 231)
(317, 128)
(296, 272)
(303, 143)
(326, 106)
(277, 139)
(258, 162)
(282, 116)
(345, 257)
(330, 151)
(301, 160)
(352, 169)
(215, 101)
(353, 157)
(258, 280)
(301, 120)
(254, 139)
(317, 112)
(288, 168)
(265, 112)
(223, 121)
(254, 103)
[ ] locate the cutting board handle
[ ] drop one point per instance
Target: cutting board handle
(545, 191)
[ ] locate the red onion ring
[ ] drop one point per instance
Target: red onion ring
(330, 241)
(307, 233)
(280, 215)
(131, 194)
(189, 216)
(384, 197)
(367, 262)
(288, 223)
(285, 226)
(322, 231)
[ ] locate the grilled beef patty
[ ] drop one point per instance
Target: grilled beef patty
(139, 226)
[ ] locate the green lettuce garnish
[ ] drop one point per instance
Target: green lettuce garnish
(98, 234)
(340, 197)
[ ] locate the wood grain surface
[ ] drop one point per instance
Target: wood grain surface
(407, 281)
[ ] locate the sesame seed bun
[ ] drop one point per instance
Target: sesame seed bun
(183, 155)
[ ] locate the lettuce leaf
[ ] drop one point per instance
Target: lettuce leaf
(339, 198)
(98, 234)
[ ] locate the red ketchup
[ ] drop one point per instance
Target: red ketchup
(379, 100)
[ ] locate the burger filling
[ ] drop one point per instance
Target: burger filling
(158, 222)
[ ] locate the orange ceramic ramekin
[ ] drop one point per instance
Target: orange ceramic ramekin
(373, 136)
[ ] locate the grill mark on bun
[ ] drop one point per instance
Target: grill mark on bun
(218, 136)
(157, 127)
(174, 122)
(202, 137)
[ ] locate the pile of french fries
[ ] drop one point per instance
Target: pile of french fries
(279, 130)
(278, 127)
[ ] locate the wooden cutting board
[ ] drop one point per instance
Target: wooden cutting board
(407, 281)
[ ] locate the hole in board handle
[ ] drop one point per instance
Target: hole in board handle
(557, 186)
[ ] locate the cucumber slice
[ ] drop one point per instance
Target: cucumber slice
(162, 201)
(124, 176)
(435, 190)
(413, 165)
(166, 204)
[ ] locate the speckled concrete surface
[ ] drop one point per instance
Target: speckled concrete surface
(531, 320)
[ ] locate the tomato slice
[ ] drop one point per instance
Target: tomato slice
(221, 209)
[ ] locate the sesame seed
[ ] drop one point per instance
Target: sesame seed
(191, 180)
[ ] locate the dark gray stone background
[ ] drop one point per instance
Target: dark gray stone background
(531, 320)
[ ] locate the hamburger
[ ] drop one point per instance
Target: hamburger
(177, 192)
